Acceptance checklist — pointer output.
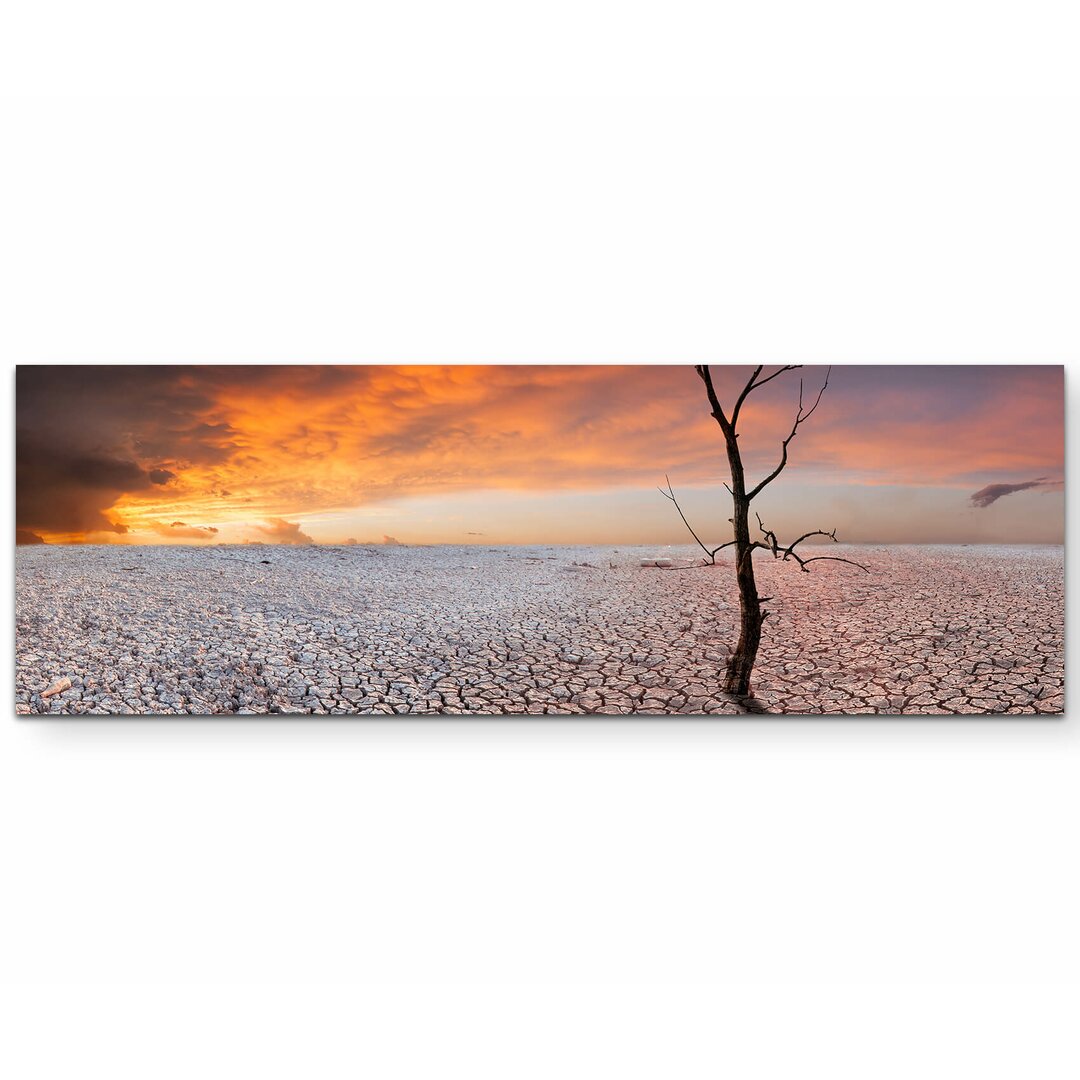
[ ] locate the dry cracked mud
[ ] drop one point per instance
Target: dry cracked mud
(571, 630)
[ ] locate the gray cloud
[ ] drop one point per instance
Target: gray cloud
(992, 492)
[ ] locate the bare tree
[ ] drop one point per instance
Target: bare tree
(751, 614)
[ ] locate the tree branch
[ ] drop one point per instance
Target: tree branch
(714, 401)
(830, 558)
(789, 552)
(753, 384)
(670, 494)
(800, 418)
(770, 536)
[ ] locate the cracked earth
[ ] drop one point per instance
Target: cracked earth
(566, 630)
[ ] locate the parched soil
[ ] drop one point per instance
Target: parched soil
(469, 630)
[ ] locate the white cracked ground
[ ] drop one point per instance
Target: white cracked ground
(468, 630)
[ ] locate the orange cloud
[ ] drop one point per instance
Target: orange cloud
(278, 531)
(252, 451)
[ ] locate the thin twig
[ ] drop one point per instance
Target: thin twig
(670, 494)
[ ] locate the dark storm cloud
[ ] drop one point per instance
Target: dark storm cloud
(61, 488)
(87, 435)
(992, 492)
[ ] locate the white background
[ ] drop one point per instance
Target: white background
(583, 183)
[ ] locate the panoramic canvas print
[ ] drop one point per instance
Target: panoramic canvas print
(563, 540)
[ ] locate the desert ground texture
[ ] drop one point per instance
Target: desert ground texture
(565, 630)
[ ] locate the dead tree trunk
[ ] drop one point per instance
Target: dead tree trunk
(741, 662)
(751, 614)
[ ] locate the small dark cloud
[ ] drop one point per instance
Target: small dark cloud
(161, 476)
(992, 492)
(475, 534)
(25, 536)
(180, 530)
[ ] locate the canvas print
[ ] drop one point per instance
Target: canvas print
(561, 540)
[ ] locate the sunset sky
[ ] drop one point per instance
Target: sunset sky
(519, 454)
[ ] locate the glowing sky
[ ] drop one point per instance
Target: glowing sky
(519, 454)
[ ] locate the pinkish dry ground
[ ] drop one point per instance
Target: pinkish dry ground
(453, 630)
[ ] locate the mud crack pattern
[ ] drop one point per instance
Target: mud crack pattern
(468, 630)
